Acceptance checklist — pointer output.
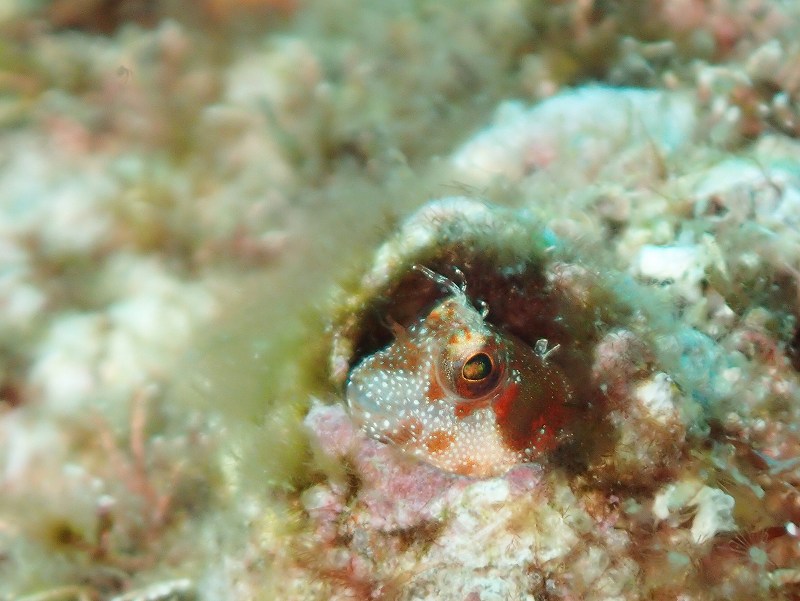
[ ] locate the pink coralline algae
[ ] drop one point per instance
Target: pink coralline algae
(395, 493)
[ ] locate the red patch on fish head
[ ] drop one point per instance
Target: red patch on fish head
(535, 407)
(504, 403)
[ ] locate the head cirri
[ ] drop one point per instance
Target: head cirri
(459, 393)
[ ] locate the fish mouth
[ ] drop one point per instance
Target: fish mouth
(366, 401)
(359, 398)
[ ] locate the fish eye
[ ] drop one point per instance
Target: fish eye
(477, 368)
(477, 375)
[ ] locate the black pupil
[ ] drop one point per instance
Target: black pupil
(477, 367)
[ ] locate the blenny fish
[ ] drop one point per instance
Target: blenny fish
(460, 393)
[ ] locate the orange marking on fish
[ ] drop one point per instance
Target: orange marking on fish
(435, 391)
(467, 467)
(439, 440)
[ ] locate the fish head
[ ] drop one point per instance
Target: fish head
(459, 393)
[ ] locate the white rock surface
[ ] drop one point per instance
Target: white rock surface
(581, 127)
